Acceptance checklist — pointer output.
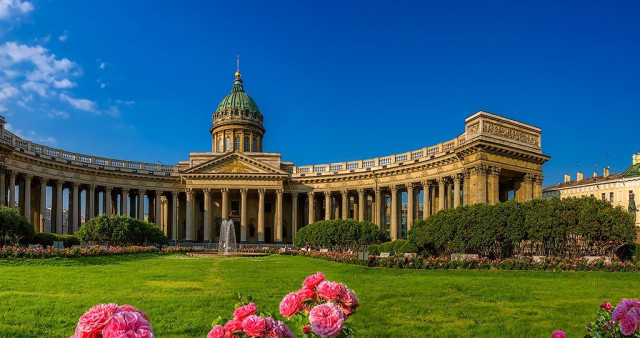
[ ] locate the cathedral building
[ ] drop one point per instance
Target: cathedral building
(489, 159)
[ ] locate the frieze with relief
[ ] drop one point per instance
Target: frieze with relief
(509, 133)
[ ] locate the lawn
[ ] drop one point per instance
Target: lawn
(182, 295)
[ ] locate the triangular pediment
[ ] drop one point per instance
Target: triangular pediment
(234, 163)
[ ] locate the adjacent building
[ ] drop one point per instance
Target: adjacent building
(489, 159)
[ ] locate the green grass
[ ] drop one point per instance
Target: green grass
(182, 295)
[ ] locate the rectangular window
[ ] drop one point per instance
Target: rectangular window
(246, 143)
(254, 145)
(236, 143)
(603, 196)
(228, 143)
(611, 197)
(220, 149)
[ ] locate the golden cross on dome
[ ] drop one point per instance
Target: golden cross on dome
(238, 65)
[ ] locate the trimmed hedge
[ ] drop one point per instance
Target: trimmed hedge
(399, 246)
(570, 227)
(120, 231)
(46, 239)
(340, 235)
(13, 227)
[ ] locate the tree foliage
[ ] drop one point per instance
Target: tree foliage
(340, 235)
(120, 231)
(13, 227)
(568, 227)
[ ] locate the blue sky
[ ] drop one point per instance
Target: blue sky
(335, 80)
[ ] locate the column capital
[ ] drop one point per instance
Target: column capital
(441, 180)
(28, 177)
(13, 173)
(92, 187)
(75, 185)
(360, 191)
(175, 193)
(244, 191)
(159, 192)
(457, 177)
(106, 188)
(294, 194)
(538, 178)
(409, 187)
(224, 190)
(142, 192)
(126, 190)
(311, 194)
(189, 191)
(327, 194)
(528, 177)
(394, 189)
(495, 171)
(466, 173)
(262, 191)
(43, 179)
(344, 192)
(481, 168)
(279, 192)
(207, 190)
(377, 190)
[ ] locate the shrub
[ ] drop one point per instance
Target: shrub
(121, 231)
(69, 240)
(407, 248)
(373, 250)
(571, 227)
(44, 238)
(340, 235)
(13, 227)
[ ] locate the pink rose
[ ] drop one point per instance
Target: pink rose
(244, 311)
(623, 308)
(629, 323)
(93, 321)
(306, 329)
(558, 334)
(347, 310)
(127, 307)
(290, 305)
(330, 290)
(216, 332)
(128, 324)
(606, 306)
(326, 320)
(254, 326)
(349, 299)
(305, 293)
(232, 326)
(283, 331)
(312, 281)
(270, 328)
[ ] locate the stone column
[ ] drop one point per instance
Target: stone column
(327, 205)
(75, 209)
(92, 201)
(27, 197)
(379, 211)
(426, 199)
(261, 193)
(312, 211)
(141, 194)
(294, 215)
(3, 187)
(410, 205)
(43, 203)
(225, 203)
(537, 186)
(494, 185)
(157, 215)
(466, 187)
(12, 190)
(189, 226)
(107, 203)
(345, 204)
(174, 215)
(243, 215)
(441, 197)
(124, 203)
(59, 207)
(528, 187)
(207, 215)
(362, 204)
(456, 190)
(394, 213)
(279, 209)
(481, 186)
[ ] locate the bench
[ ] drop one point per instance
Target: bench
(384, 254)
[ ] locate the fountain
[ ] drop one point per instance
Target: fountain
(227, 241)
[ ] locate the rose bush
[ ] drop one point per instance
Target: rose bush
(621, 321)
(247, 322)
(320, 308)
(111, 320)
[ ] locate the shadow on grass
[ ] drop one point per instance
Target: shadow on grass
(82, 261)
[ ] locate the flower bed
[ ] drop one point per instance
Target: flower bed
(514, 263)
(51, 252)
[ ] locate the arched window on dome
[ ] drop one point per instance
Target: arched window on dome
(246, 143)
(254, 145)
(220, 149)
(236, 143)
(227, 145)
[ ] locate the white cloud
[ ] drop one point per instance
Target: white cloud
(7, 91)
(80, 104)
(102, 65)
(30, 135)
(126, 102)
(64, 36)
(102, 85)
(37, 87)
(58, 113)
(9, 8)
(64, 83)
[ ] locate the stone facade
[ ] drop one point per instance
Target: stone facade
(494, 159)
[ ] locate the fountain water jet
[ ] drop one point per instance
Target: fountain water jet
(227, 241)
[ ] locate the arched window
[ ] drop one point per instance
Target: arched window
(227, 143)
(236, 143)
(220, 149)
(246, 143)
(254, 146)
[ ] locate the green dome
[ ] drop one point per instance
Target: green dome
(238, 99)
